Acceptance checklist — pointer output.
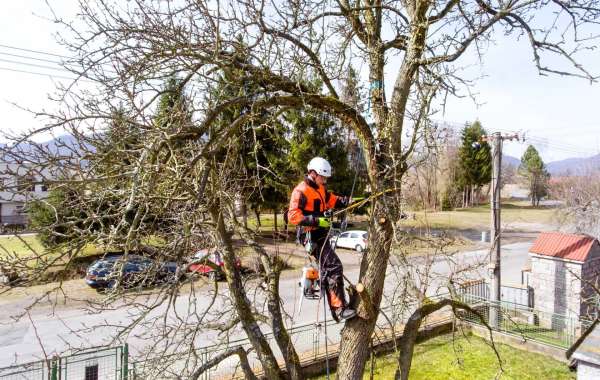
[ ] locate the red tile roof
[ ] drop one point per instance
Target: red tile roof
(566, 246)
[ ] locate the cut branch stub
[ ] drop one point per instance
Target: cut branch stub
(366, 309)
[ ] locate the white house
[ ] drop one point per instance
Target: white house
(19, 184)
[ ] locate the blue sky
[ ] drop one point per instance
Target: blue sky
(559, 114)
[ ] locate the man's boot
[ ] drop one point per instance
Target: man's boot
(345, 313)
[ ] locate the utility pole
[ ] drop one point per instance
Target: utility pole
(496, 140)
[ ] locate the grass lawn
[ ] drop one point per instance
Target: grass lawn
(11, 245)
(471, 358)
(541, 334)
(30, 248)
(512, 212)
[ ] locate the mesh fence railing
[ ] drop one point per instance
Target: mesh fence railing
(93, 364)
(531, 324)
(309, 341)
(40, 370)
(106, 363)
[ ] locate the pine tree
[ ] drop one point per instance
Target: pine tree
(262, 146)
(534, 171)
(475, 169)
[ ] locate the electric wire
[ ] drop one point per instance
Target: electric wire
(536, 140)
(45, 74)
(31, 58)
(33, 51)
(34, 65)
(44, 59)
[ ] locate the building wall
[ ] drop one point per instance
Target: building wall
(587, 371)
(557, 288)
(591, 276)
(12, 213)
(14, 195)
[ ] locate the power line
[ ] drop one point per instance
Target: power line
(42, 53)
(45, 74)
(33, 51)
(32, 58)
(553, 144)
(34, 65)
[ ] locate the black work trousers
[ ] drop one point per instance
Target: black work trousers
(331, 271)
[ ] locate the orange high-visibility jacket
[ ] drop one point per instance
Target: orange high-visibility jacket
(309, 201)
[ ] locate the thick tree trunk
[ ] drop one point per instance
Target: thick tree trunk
(242, 304)
(356, 335)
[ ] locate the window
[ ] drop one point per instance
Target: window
(44, 187)
(344, 235)
(354, 235)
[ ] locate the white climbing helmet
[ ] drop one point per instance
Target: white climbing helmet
(320, 165)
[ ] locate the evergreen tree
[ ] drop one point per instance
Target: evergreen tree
(534, 171)
(261, 143)
(313, 134)
(475, 168)
(172, 111)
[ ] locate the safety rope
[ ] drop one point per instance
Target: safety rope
(364, 201)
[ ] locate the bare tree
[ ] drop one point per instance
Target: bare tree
(187, 171)
(581, 197)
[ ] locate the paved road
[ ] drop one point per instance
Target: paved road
(19, 342)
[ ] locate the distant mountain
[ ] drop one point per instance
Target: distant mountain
(574, 166)
(63, 146)
(510, 160)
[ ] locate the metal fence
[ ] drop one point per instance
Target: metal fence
(518, 294)
(309, 341)
(541, 326)
(106, 363)
(40, 370)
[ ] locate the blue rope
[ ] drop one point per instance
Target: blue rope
(375, 85)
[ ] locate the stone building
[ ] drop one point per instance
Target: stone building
(564, 268)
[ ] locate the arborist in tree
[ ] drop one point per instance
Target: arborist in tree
(310, 200)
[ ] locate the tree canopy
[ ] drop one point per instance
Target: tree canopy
(533, 170)
(411, 59)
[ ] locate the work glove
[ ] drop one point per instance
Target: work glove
(323, 222)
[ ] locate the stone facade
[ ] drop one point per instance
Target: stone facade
(558, 287)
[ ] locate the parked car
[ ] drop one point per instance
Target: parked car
(199, 265)
(136, 270)
(355, 239)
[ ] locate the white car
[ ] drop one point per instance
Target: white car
(356, 240)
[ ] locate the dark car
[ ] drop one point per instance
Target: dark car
(135, 270)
